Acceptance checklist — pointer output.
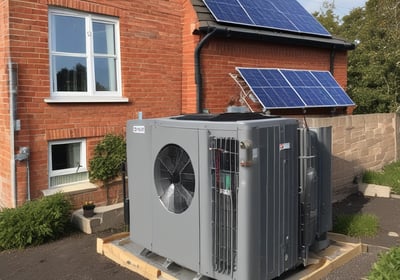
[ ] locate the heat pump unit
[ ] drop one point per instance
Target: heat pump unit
(221, 194)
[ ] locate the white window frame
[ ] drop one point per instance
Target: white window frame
(67, 171)
(91, 95)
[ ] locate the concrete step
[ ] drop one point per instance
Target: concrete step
(106, 217)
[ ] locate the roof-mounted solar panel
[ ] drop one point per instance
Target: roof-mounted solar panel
(285, 88)
(285, 15)
(226, 11)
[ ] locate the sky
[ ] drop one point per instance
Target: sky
(343, 7)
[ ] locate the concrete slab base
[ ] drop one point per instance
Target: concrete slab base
(374, 190)
(106, 217)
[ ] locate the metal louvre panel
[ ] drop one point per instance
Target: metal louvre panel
(268, 200)
(279, 199)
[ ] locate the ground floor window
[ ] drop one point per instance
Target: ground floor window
(67, 162)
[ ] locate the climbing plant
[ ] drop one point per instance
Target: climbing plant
(109, 154)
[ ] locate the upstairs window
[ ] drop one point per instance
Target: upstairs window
(84, 55)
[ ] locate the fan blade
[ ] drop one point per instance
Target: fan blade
(168, 197)
(183, 194)
(166, 164)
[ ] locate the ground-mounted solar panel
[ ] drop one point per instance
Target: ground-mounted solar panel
(286, 88)
(286, 15)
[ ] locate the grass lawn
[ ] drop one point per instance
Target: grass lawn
(389, 176)
(356, 225)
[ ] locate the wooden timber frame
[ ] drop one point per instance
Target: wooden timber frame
(118, 248)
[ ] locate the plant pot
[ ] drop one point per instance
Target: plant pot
(88, 211)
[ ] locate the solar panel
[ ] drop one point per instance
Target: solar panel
(226, 11)
(284, 88)
(286, 15)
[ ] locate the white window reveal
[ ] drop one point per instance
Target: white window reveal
(84, 57)
(67, 162)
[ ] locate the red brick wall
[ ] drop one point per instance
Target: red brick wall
(221, 56)
(188, 72)
(151, 47)
(5, 181)
(157, 58)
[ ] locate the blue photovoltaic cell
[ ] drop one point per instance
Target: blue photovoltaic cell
(325, 78)
(282, 88)
(340, 96)
(300, 18)
(333, 88)
(226, 10)
(286, 15)
(315, 97)
(271, 88)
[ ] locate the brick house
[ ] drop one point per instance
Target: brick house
(74, 70)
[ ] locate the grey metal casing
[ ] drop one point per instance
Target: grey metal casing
(267, 195)
(315, 188)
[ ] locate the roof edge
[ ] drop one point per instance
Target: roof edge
(274, 36)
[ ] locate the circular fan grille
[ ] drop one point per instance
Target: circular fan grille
(174, 178)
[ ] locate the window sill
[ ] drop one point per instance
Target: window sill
(86, 99)
(71, 189)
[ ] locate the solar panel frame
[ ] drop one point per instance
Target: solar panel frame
(292, 88)
(285, 15)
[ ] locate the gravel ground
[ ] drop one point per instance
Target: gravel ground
(387, 210)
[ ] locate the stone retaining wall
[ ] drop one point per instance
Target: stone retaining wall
(360, 142)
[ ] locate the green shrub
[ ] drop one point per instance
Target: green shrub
(356, 225)
(387, 267)
(35, 223)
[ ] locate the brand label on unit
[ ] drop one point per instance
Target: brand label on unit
(139, 129)
(284, 146)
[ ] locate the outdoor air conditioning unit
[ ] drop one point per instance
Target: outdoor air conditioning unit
(230, 196)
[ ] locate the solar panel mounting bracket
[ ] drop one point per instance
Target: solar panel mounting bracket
(246, 96)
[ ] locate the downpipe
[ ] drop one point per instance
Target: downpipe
(198, 75)
(125, 194)
(12, 88)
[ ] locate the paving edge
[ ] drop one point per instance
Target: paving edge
(376, 191)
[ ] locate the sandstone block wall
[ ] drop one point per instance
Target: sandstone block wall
(359, 143)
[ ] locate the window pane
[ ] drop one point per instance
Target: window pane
(105, 74)
(64, 156)
(103, 38)
(71, 73)
(68, 34)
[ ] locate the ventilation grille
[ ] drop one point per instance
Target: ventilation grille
(60, 180)
(224, 156)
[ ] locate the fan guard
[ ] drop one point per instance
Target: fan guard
(174, 178)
